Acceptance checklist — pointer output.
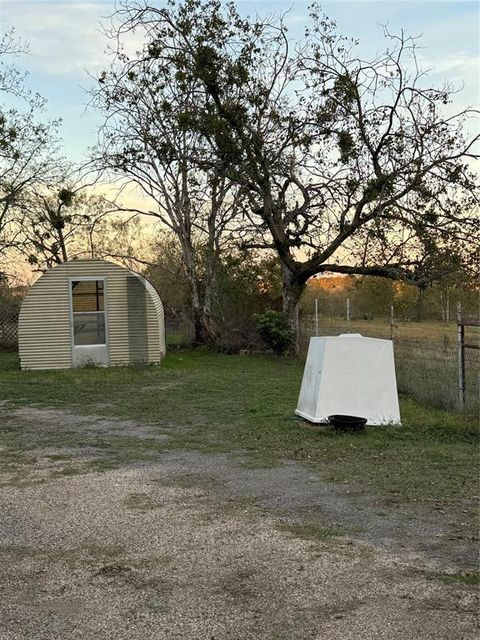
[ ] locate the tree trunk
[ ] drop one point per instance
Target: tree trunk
(419, 305)
(202, 329)
(293, 287)
(197, 313)
(203, 333)
(202, 325)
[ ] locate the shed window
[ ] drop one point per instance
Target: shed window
(87, 295)
(88, 308)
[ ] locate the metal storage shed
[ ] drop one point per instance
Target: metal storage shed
(90, 311)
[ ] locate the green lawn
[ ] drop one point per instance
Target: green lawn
(216, 402)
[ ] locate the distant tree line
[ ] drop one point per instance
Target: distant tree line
(372, 298)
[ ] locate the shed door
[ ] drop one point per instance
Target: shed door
(89, 326)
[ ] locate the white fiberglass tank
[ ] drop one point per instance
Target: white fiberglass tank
(349, 375)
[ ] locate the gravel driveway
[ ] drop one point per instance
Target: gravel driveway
(197, 546)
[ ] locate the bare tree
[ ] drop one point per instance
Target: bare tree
(348, 165)
(144, 141)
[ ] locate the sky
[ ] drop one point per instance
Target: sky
(67, 46)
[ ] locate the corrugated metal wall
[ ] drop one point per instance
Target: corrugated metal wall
(137, 320)
(44, 326)
(156, 323)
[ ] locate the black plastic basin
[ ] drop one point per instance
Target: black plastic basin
(347, 423)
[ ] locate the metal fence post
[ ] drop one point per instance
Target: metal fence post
(461, 357)
(316, 316)
(392, 321)
(348, 313)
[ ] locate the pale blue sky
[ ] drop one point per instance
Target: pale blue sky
(66, 43)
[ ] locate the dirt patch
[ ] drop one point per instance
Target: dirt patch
(55, 419)
(37, 443)
(162, 387)
(299, 496)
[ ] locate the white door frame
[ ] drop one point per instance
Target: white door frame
(98, 354)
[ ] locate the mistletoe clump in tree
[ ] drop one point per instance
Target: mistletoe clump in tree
(60, 222)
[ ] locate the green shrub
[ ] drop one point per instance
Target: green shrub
(274, 329)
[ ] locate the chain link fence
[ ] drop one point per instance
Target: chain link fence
(178, 331)
(8, 328)
(426, 355)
